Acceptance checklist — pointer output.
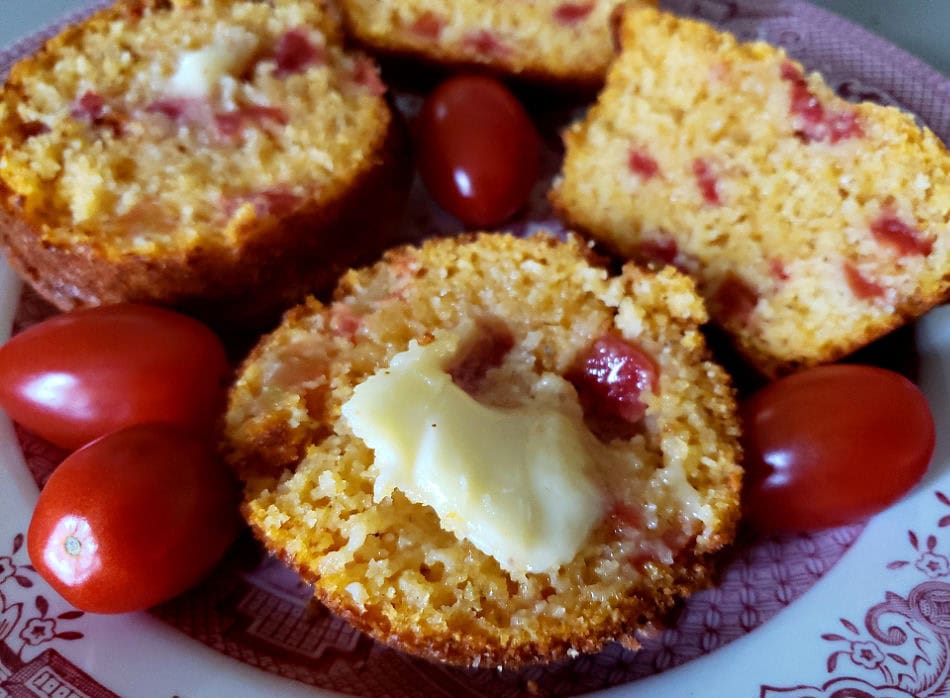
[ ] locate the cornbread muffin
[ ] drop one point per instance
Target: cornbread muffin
(205, 154)
(479, 558)
(811, 225)
(561, 41)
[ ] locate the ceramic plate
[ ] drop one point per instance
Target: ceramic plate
(862, 611)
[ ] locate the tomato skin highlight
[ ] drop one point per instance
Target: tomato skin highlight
(832, 445)
(478, 151)
(133, 519)
(83, 374)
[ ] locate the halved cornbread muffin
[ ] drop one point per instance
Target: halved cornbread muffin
(489, 451)
(210, 155)
(558, 41)
(811, 225)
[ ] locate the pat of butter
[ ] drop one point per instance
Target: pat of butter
(200, 72)
(515, 482)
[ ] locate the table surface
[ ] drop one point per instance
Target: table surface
(920, 26)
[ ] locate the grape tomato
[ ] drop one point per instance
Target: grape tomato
(83, 374)
(133, 519)
(612, 375)
(832, 445)
(478, 151)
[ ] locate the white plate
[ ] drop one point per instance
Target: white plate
(833, 616)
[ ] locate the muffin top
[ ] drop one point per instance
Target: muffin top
(504, 331)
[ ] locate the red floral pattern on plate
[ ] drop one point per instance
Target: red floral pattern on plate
(29, 665)
(904, 646)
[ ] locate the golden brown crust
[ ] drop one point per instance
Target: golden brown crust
(580, 82)
(278, 262)
(481, 651)
(763, 363)
(772, 368)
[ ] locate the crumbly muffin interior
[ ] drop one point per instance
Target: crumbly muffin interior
(109, 142)
(812, 224)
(670, 487)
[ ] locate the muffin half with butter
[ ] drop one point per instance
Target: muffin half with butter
(211, 155)
(489, 451)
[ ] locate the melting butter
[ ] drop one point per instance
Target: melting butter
(515, 482)
(200, 72)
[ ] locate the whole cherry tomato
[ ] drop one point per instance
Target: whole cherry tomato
(478, 151)
(133, 519)
(86, 373)
(832, 445)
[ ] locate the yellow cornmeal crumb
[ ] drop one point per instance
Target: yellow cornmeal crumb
(309, 483)
(796, 211)
(560, 40)
(141, 181)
